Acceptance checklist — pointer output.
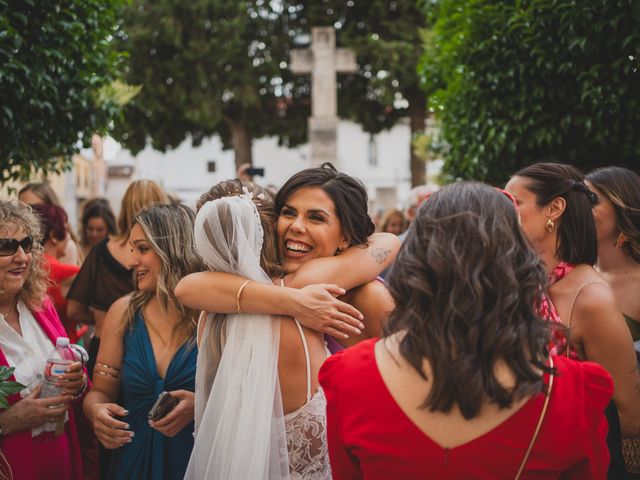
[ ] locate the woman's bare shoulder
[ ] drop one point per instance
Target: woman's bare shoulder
(580, 277)
(585, 273)
(113, 320)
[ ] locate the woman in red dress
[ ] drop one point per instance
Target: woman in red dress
(54, 224)
(462, 386)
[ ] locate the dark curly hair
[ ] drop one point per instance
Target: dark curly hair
(348, 194)
(467, 288)
(577, 240)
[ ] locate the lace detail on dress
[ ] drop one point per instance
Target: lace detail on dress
(307, 440)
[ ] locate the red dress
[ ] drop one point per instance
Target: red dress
(58, 273)
(371, 437)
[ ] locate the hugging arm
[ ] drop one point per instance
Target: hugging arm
(355, 270)
(375, 302)
(355, 266)
(313, 305)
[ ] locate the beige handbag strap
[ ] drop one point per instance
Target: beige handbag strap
(539, 425)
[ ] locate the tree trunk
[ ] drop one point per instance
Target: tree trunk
(417, 115)
(241, 141)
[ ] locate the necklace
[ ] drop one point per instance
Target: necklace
(10, 314)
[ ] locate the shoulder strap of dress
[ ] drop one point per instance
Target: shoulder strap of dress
(306, 356)
(536, 432)
(575, 297)
(306, 353)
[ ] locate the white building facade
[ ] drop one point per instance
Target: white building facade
(380, 161)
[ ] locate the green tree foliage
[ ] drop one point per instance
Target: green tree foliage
(514, 82)
(386, 37)
(211, 67)
(54, 59)
(7, 387)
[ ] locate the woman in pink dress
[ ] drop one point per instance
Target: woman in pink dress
(29, 327)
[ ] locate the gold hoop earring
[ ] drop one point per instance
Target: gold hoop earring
(621, 240)
(550, 226)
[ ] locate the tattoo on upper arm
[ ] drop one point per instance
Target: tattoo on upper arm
(635, 369)
(637, 388)
(380, 254)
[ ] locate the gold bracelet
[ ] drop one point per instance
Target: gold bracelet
(238, 309)
(107, 366)
(105, 373)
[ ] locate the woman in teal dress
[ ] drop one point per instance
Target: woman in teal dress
(148, 347)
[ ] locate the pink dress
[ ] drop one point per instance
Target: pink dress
(25, 453)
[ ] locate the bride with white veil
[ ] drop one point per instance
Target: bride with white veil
(242, 431)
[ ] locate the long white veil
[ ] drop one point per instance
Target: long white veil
(239, 421)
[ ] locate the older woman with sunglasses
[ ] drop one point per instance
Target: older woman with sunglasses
(29, 326)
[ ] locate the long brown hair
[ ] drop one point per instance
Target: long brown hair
(139, 194)
(622, 187)
(467, 286)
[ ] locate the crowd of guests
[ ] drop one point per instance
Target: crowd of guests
(502, 342)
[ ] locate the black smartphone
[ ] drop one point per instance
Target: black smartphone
(164, 404)
(251, 171)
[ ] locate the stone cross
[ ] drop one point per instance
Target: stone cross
(323, 61)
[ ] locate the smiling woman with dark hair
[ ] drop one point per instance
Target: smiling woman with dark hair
(324, 235)
(462, 386)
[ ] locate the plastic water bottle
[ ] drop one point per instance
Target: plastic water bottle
(57, 362)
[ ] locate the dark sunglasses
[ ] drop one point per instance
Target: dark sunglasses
(9, 246)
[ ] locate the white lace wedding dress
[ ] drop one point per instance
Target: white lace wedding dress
(306, 430)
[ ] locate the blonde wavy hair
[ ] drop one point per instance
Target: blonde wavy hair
(43, 191)
(169, 231)
(139, 194)
(17, 215)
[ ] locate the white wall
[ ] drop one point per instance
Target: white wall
(183, 171)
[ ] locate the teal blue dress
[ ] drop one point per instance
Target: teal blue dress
(151, 455)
